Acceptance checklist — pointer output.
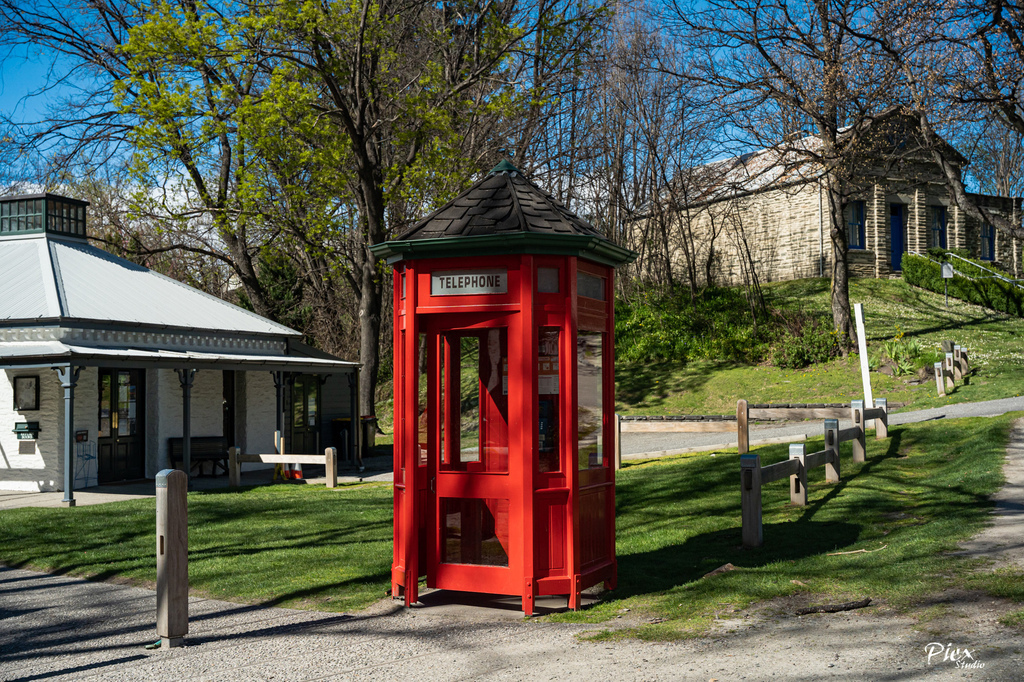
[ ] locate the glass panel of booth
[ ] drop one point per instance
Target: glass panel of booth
(422, 424)
(474, 531)
(474, 400)
(548, 403)
(589, 399)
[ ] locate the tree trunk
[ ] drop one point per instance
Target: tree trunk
(840, 289)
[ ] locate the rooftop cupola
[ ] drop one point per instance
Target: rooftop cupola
(42, 213)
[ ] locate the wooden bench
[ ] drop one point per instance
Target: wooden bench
(204, 449)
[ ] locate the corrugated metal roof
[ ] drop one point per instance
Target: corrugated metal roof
(42, 277)
(26, 282)
(19, 352)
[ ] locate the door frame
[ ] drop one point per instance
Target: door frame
(467, 484)
(897, 263)
(138, 443)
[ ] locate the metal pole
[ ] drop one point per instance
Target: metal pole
(186, 377)
(68, 376)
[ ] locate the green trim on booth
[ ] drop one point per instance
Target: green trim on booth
(597, 249)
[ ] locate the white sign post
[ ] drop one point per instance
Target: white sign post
(862, 347)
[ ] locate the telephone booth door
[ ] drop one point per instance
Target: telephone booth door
(474, 548)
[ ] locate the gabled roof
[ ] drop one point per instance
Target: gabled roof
(501, 214)
(793, 161)
(48, 278)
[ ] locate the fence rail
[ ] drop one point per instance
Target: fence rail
(740, 423)
(329, 459)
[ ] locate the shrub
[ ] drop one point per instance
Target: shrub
(806, 340)
(991, 293)
(658, 327)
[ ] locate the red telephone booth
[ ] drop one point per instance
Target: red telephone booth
(504, 396)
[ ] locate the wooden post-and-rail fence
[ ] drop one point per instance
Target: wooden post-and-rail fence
(952, 370)
(753, 475)
(740, 422)
(329, 459)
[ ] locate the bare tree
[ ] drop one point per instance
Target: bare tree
(796, 79)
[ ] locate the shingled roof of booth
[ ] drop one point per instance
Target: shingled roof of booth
(503, 213)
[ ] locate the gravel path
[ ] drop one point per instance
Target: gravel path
(637, 443)
(58, 628)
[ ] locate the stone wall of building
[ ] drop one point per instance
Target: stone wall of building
(784, 233)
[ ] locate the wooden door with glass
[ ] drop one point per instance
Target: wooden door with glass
(120, 442)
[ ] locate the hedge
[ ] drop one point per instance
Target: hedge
(991, 293)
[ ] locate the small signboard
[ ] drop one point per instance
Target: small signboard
(947, 271)
(468, 282)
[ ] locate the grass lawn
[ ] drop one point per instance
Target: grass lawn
(920, 492)
(995, 342)
(285, 545)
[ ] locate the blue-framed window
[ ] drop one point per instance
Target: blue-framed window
(937, 222)
(988, 242)
(855, 225)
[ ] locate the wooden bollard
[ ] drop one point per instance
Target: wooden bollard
(171, 557)
(857, 417)
(958, 373)
(882, 423)
(832, 445)
(750, 500)
(948, 372)
(940, 374)
(234, 468)
(742, 429)
(331, 465)
(965, 362)
(798, 481)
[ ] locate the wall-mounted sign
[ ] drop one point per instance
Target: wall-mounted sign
(26, 393)
(27, 430)
(466, 282)
(81, 436)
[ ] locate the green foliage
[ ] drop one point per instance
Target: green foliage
(670, 327)
(983, 290)
(717, 327)
(902, 353)
(807, 340)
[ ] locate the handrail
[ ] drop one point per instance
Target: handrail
(969, 278)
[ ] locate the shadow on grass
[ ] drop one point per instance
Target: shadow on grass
(674, 565)
(636, 384)
(668, 567)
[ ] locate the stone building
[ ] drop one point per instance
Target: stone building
(767, 212)
(102, 357)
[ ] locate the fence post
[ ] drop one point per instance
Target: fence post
(798, 481)
(958, 372)
(618, 442)
(948, 372)
(832, 445)
(857, 416)
(234, 473)
(882, 423)
(750, 500)
(742, 430)
(331, 465)
(940, 384)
